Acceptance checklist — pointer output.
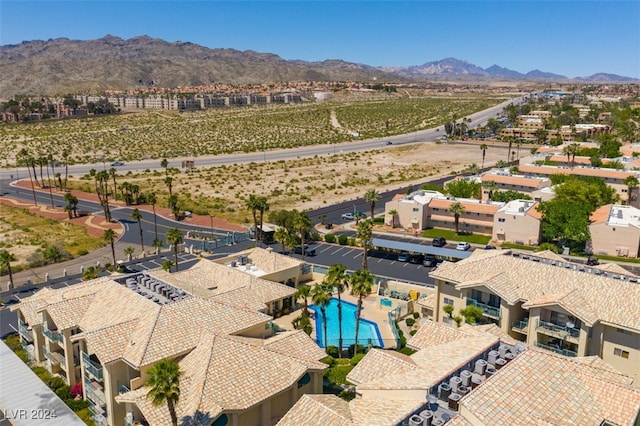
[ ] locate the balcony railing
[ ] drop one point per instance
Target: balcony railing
(95, 395)
(488, 310)
(92, 369)
(557, 330)
(54, 357)
(98, 418)
(24, 331)
(521, 326)
(52, 335)
(565, 352)
(123, 389)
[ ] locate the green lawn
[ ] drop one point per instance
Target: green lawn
(518, 246)
(452, 236)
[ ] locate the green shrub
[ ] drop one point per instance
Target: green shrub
(330, 238)
(332, 351)
(416, 315)
(76, 404)
(378, 220)
(56, 383)
(356, 359)
(316, 236)
(412, 332)
(85, 416)
(407, 351)
(42, 373)
(352, 241)
(343, 239)
(410, 322)
(338, 374)
(13, 341)
(330, 361)
(82, 252)
(347, 395)
(352, 348)
(64, 392)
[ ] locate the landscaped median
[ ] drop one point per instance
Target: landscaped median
(451, 236)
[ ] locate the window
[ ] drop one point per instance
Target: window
(502, 219)
(448, 301)
(415, 209)
(619, 352)
(623, 331)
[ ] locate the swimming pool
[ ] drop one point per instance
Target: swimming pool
(368, 332)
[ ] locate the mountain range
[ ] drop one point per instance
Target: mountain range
(62, 65)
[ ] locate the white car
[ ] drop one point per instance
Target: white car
(463, 246)
(348, 216)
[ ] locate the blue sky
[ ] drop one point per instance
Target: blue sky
(573, 38)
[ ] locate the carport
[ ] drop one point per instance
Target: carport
(441, 252)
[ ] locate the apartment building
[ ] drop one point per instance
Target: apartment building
(543, 300)
(474, 375)
(431, 209)
(107, 334)
(503, 180)
(615, 231)
(530, 121)
(519, 222)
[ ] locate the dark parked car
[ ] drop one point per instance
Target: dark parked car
(439, 242)
(416, 258)
(489, 247)
(307, 250)
(592, 261)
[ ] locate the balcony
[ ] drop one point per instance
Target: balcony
(521, 326)
(91, 368)
(56, 358)
(123, 389)
(25, 331)
(487, 310)
(565, 352)
(94, 392)
(559, 331)
(97, 415)
(52, 335)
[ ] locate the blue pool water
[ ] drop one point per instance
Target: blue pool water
(368, 332)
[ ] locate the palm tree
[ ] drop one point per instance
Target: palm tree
(72, 204)
(252, 204)
(371, 197)
(5, 260)
(262, 205)
(174, 237)
(25, 158)
(47, 160)
(110, 237)
(510, 140)
(632, 182)
(157, 244)
(321, 297)
(338, 279)
(91, 273)
(167, 265)
(282, 236)
(137, 216)
(169, 182)
(152, 199)
(393, 214)
(129, 252)
(65, 155)
(302, 224)
(484, 148)
(361, 284)
(302, 293)
(164, 386)
(457, 209)
(113, 173)
(364, 233)
(164, 163)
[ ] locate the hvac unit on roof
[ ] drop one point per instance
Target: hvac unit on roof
(454, 399)
(243, 259)
(444, 390)
(503, 350)
(619, 214)
(490, 372)
(454, 382)
(416, 420)
(427, 417)
(493, 356)
(465, 375)
(480, 367)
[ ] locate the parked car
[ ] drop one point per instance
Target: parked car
(117, 163)
(416, 258)
(403, 256)
(389, 143)
(592, 261)
(307, 250)
(489, 247)
(463, 246)
(361, 215)
(348, 216)
(430, 260)
(439, 242)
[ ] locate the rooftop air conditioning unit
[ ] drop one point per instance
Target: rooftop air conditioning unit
(427, 417)
(465, 375)
(416, 420)
(493, 356)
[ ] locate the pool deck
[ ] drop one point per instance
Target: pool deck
(372, 311)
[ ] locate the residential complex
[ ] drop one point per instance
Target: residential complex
(213, 319)
(615, 231)
(546, 302)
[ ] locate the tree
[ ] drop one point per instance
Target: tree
(303, 323)
(302, 224)
(541, 136)
(72, 204)
(174, 237)
(167, 265)
(262, 204)
(493, 125)
(483, 148)
(102, 190)
(165, 164)
(24, 158)
(252, 205)
(91, 273)
(321, 297)
(109, 236)
(157, 244)
(169, 182)
(393, 214)
(129, 252)
(508, 195)
(632, 183)
(457, 209)
(463, 188)
(371, 197)
(361, 284)
(137, 216)
(510, 140)
(338, 279)
(113, 173)
(302, 293)
(5, 261)
(282, 236)
(65, 156)
(471, 314)
(164, 386)
(364, 233)
(565, 221)
(152, 199)
(48, 160)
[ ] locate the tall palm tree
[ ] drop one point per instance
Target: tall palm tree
(174, 237)
(137, 216)
(152, 199)
(632, 182)
(129, 252)
(169, 182)
(252, 205)
(361, 284)
(164, 386)
(157, 244)
(113, 173)
(302, 293)
(484, 148)
(282, 236)
(457, 209)
(338, 279)
(321, 297)
(371, 197)
(72, 204)
(393, 214)
(364, 233)
(5, 260)
(47, 160)
(164, 163)
(110, 237)
(262, 205)
(25, 158)
(65, 155)
(302, 224)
